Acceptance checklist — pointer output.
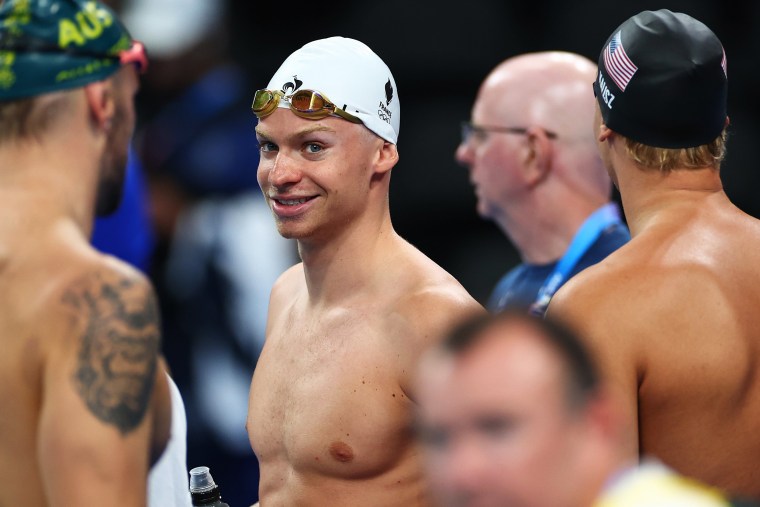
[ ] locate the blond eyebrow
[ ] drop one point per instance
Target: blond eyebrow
(311, 130)
(260, 132)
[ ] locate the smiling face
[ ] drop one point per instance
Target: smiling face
(315, 175)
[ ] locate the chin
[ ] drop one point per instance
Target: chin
(484, 211)
(300, 230)
(292, 230)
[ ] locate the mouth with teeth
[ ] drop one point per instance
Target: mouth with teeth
(293, 202)
(286, 207)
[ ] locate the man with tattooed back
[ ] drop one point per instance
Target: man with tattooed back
(84, 400)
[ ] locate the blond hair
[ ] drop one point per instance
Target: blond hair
(15, 119)
(667, 159)
(31, 117)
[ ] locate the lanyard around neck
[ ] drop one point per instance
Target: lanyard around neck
(586, 236)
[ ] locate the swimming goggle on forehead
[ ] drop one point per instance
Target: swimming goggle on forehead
(307, 104)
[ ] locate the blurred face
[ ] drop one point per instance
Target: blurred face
(114, 162)
(315, 175)
(495, 426)
(493, 158)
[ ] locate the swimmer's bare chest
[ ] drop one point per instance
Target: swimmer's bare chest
(326, 397)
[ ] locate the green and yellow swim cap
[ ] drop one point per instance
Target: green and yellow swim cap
(52, 45)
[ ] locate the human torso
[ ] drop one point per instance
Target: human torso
(23, 342)
(329, 415)
(695, 287)
(39, 332)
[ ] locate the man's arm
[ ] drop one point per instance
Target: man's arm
(99, 391)
(589, 305)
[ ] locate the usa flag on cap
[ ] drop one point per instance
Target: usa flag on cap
(620, 68)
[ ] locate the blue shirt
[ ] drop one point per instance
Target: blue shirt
(519, 288)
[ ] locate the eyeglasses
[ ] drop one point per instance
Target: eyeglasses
(307, 104)
(23, 44)
(469, 130)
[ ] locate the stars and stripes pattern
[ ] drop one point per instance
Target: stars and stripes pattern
(619, 67)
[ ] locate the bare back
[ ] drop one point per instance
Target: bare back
(81, 384)
(674, 319)
(330, 408)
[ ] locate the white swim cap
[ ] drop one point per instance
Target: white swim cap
(351, 75)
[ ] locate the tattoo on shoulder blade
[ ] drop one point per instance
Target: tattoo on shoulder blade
(118, 349)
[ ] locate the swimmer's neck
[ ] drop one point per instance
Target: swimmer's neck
(648, 196)
(55, 176)
(348, 263)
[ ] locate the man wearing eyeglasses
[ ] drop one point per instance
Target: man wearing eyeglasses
(85, 405)
(329, 409)
(537, 174)
(673, 315)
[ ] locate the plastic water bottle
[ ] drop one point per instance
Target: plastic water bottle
(204, 490)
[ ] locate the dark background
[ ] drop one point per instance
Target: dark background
(439, 52)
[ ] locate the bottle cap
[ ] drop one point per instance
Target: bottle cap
(201, 480)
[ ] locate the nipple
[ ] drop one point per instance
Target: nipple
(341, 451)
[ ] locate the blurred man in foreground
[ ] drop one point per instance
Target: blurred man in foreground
(513, 413)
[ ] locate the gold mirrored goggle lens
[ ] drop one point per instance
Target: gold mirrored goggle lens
(304, 103)
(264, 103)
(309, 104)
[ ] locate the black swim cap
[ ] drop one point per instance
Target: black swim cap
(662, 81)
(51, 45)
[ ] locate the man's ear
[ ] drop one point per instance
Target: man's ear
(604, 133)
(387, 157)
(538, 160)
(100, 99)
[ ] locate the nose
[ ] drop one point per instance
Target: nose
(464, 154)
(284, 171)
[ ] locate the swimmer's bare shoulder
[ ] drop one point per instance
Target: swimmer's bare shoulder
(104, 394)
(430, 303)
(603, 297)
(625, 305)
